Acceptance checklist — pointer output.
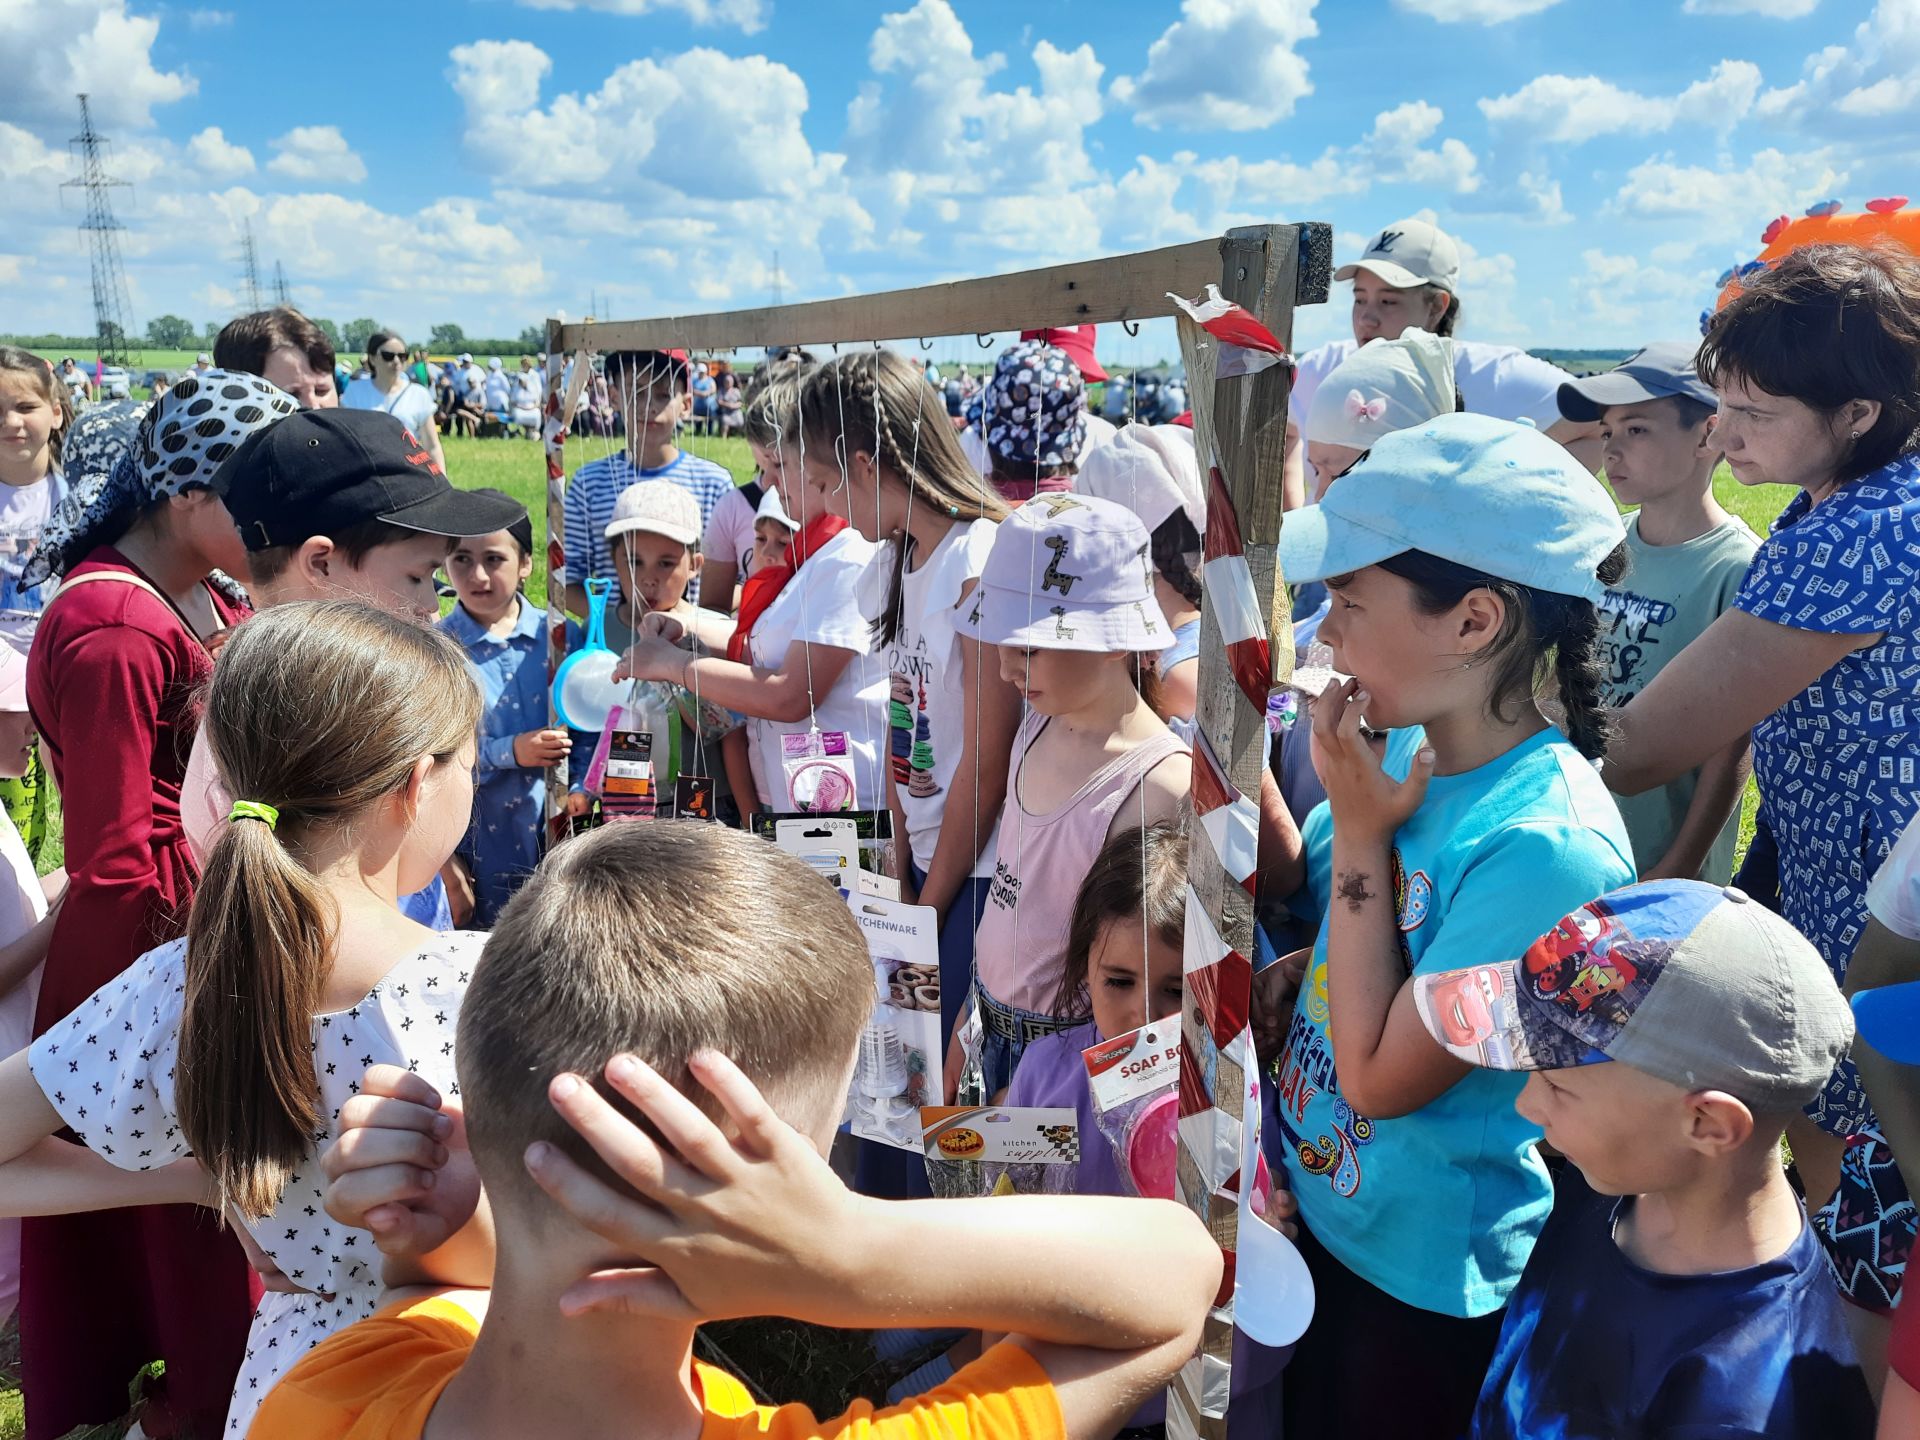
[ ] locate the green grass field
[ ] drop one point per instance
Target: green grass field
(784, 1358)
(516, 467)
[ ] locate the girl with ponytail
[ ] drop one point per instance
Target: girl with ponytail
(350, 733)
(1464, 557)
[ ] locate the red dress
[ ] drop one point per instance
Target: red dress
(110, 681)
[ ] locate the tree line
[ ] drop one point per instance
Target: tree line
(175, 332)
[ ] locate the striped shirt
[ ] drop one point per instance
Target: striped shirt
(596, 486)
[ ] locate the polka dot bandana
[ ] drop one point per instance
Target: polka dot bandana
(127, 459)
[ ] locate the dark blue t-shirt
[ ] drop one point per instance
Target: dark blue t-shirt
(1596, 1348)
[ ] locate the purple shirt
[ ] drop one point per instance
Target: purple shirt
(1051, 1073)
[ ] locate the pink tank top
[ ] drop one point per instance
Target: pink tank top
(1021, 945)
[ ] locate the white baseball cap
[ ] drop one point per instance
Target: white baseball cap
(1385, 385)
(772, 509)
(658, 506)
(1409, 253)
(1150, 469)
(466, 357)
(1069, 572)
(1488, 494)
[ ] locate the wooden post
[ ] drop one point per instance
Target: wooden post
(553, 436)
(1246, 644)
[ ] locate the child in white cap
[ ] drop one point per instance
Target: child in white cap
(1067, 595)
(23, 938)
(1466, 557)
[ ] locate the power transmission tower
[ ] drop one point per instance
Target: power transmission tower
(249, 266)
(112, 315)
(280, 295)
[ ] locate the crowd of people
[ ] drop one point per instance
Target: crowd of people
(373, 1103)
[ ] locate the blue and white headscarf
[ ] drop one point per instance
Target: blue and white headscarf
(1035, 406)
(123, 456)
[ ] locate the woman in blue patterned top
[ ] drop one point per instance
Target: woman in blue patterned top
(505, 640)
(1817, 366)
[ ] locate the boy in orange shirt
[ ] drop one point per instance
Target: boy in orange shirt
(718, 1001)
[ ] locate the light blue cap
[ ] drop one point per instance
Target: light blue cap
(1488, 494)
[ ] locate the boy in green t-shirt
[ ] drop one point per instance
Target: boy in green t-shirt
(1687, 558)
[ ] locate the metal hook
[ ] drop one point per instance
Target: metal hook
(986, 341)
(926, 345)
(1132, 327)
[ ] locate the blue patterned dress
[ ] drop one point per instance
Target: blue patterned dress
(1839, 773)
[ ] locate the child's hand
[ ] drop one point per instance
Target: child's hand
(1367, 803)
(1282, 1212)
(757, 1225)
(659, 625)
(1272, 999)
(400, 1168)
(537, 749)
(651, 657)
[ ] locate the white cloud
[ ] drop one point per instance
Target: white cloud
(50, 50)
(652, 123)
(1876, 75)
(214, 154)
(1624, 295)
(1770, 9)
(1224, 65)
(748, 15)
(317, 152)
(1393, 151)
(1726, 203)
(209, 19)
(1477, 12)
(1572, 108)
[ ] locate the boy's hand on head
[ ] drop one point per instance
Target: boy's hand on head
(1367, 803)
(756, 1224)
(400, 1168)
(537, 749)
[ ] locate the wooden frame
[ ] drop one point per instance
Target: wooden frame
(1240, 437)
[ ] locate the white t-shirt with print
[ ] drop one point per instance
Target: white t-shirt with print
(820, 606)
(412, 405)
(1497, 380)
(926, 699)
(730, 534)
(108, 1069)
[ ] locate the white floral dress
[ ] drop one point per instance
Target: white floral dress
(108, 1069)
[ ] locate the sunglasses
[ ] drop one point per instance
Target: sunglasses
(391, 354)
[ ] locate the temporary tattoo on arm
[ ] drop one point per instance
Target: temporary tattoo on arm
(1353, 890)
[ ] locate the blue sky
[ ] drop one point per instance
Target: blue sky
(491, 161)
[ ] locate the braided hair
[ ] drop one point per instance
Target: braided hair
(879, 403)
(1542, 628)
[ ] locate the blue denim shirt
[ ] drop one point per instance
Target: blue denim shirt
(503, 841)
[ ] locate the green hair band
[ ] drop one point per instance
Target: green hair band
(254, 810)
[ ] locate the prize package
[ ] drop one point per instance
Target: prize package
(898, 1069)
(999, 1149)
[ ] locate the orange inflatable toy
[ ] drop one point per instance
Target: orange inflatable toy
(1884, 221)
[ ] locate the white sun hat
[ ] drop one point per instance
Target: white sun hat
(1069, 572)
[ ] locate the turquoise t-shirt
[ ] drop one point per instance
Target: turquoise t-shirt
(1441, 1207)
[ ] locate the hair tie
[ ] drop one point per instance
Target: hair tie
(254, 810)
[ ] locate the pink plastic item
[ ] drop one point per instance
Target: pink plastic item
(1889, 205)
(1150, 1146)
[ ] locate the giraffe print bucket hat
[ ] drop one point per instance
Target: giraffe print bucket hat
(1068, 572)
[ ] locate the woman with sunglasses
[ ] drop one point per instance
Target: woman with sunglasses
(389, 387)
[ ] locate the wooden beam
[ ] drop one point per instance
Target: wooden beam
(1119, 287)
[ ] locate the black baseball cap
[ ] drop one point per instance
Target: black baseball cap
(1660, 370)
(318, 472)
